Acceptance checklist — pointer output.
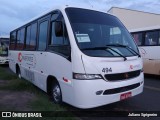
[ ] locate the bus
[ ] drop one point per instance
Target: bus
(4, 44)
(148, 40)
(80, 56)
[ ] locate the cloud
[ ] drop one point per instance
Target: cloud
(14, 13)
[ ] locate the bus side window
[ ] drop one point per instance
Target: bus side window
(151, 38)
(59, 43)
(42, 36)
(28, 35)
(138, 38)
(12, 41)
(31, 33)
(20, 39)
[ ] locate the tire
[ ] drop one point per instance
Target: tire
(19, 73)
(56, 93)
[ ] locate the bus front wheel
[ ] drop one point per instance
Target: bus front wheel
(56, 93)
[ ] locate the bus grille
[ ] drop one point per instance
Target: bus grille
(122, 76)
(121, 89)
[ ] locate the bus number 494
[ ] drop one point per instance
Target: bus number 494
(106, 70)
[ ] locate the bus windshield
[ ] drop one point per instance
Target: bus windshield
(100, 35)
(4, 48)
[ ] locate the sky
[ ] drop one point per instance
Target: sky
(15, 12)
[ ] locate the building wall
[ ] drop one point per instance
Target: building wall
(135, 19)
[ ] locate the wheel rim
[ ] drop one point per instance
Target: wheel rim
(56, 93)
(19, 75)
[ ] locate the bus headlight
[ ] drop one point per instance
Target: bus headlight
(80, 76)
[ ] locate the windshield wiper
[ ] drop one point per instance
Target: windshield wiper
(125, 46)
(104, 48)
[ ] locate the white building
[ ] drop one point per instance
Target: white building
(136, 20)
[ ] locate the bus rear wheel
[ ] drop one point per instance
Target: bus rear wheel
(19, 73)
(56, 93)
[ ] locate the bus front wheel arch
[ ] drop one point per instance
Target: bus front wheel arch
(54, 90)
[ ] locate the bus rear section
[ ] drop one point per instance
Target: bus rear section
(148, 41)
(83, 57)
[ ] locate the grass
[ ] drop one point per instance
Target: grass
(41, 101)
(20, 85)
(4, 75)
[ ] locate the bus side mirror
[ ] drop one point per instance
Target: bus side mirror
(58, 29)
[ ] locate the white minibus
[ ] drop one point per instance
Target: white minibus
(80, 56)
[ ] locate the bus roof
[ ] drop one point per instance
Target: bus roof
(145, 29)
(59, 8)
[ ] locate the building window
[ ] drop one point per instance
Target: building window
(151, 38)
(43, 36)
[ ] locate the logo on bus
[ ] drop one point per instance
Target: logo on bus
(135, 66)
(20, 57)
(143, 52)
(131, 66)
(126, 75)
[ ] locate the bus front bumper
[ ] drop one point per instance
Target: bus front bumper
(4, 61)
(92, 93)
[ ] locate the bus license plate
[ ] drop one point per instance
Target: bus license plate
(125, 95)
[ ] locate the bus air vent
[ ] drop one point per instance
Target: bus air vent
(121, 89)
(122, 76)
